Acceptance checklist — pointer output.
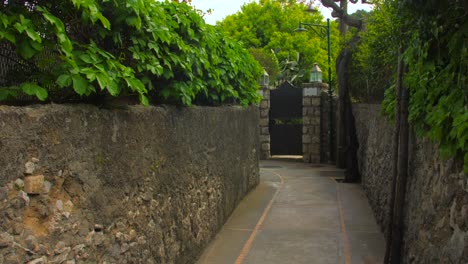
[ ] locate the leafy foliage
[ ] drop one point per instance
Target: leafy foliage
(159, 51)
(291, 71)
(270, 25)
(434, 34)
(268, 60)
(437, 58)
(374, 63)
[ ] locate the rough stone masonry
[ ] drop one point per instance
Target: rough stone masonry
(436, 206)
(80, 184)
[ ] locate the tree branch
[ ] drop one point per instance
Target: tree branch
(339, 13)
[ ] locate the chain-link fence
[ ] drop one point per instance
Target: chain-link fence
(15, 70)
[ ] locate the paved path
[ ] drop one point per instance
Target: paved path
(299, 214)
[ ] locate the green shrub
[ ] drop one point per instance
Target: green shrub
(162, 51)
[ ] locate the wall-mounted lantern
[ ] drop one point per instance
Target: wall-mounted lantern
(315, 74)
(265, 79)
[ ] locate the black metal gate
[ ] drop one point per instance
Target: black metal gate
(286, 120)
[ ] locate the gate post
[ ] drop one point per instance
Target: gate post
(311, 113)
(264, 109)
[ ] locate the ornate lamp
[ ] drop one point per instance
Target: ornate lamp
(315, 74)
(265, 79)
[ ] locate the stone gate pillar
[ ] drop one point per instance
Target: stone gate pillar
(264, 109)
(311, 112)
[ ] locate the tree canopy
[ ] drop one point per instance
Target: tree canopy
(269, 25)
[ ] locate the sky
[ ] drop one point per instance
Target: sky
(223, 8)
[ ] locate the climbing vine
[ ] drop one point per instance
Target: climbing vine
(161, 51)
(434, 35)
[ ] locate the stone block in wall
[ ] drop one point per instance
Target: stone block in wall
(306, 101)
(314, 130)
(313, 91)
(264, 155)
(317, 111)
(264, 138)
(263, 122)
(264, 104)
(264, 131)
(34, 184)
(305, 130)
(314, 149)
(315, 159)
(265, 146)
(264, 113)
(306, 138)
(315, 120)
(310, 158)
(266, 93)
(315, 101)
(315, 139)
(305, 147)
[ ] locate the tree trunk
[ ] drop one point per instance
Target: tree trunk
(346, 154)
(342, 26)
(347, 138)
(397, 232)
(396, 136)
(352, 144)
(342, 63)
(341, 66)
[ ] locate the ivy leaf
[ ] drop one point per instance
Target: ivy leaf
(86, 58)
(113, 88)
(25, 49)
(34, 89)
(37, 46)
(104, 21)
(102, 79)
(8, 36)
(7, 92)
(20, 27)
(135, 84)
(5, 20)
(144, 100)
(64, 80)
(53, 20)
(134, 21)
(90, 73)
(80, 85)
(33, 35)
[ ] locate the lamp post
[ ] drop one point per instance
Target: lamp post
(330, 91)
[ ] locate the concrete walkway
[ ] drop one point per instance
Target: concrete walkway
(299, 214)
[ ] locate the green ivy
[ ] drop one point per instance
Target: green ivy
(434, 34)
(161, 51)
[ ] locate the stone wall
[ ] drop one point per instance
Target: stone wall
(264, 109)
(144, 185)
(311, 125)
(436, 210)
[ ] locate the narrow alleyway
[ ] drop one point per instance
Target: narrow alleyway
(299, 214)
